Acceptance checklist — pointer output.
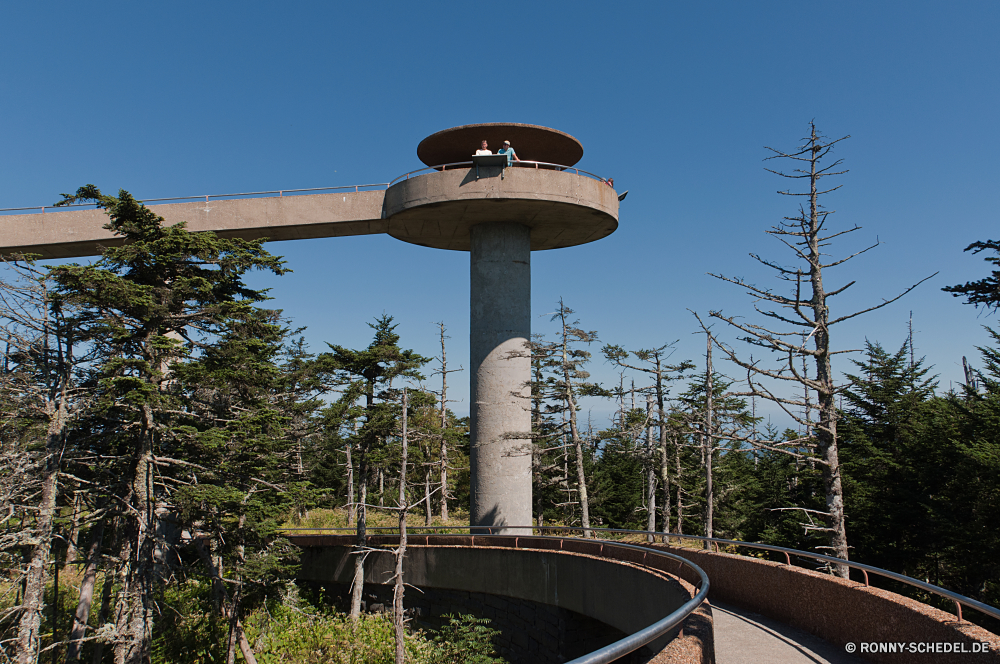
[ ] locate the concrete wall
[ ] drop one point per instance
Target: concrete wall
(624, 588)
(562, 208)
(529, 632)
(623, 596)
(834, 609)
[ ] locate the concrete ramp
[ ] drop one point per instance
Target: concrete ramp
(73, 233)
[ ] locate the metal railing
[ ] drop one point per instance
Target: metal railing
(630, 643)
(206, 197)
(282, 192)
(959, 600)
(517, 164)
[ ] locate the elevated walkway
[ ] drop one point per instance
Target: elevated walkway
(745, 637)
(761, 611)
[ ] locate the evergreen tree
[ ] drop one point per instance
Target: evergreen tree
(882, 423)
(365, 380)
(164, 294)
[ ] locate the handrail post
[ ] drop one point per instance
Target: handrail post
(958, 606)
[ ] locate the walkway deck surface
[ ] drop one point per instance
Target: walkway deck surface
(743, 637)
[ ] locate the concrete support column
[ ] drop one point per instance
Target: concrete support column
(501, 369)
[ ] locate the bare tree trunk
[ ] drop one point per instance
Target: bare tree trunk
(102, 616)
(74, 529)
(87, 584)
(650, 471)
(134, 613)
(709, 445)
(680, 497)
(581, 479)
(428, 514)
(664, 460)
(397, 594)
(358, 584)
(444, 427)
(228, 609)
(381, 487)
(351, 507)
(33, 604)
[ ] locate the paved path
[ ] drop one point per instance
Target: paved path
(742, 637)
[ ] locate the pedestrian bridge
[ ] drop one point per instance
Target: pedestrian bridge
(561, 598)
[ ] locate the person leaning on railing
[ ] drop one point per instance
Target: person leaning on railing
(509, 151)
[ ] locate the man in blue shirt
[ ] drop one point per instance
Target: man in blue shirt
(509, 151)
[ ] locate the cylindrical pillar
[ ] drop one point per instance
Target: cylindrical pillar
(500, 329)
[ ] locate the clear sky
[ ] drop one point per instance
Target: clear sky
(675, 100)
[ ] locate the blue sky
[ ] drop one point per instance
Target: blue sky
(676, 101)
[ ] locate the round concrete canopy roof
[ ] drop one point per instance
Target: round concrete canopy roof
(530, 142)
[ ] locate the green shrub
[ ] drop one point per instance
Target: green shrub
(289, 636)
(466, 640)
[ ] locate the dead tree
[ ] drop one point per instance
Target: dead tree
(571, 385)
(709, 444)
(397, 594)
(47, 352)
(653, 363)
(650, 470)
(444, 371)
(805, 308)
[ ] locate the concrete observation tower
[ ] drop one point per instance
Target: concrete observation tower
(498, 213)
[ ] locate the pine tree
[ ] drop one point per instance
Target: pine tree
(161, 296)
(366, 376)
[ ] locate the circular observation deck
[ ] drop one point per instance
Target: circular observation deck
(530, 142)
(563, 206)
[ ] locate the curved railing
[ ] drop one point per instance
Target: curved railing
(631, 642)
(958, 599)
(517, 164)
(280, 193)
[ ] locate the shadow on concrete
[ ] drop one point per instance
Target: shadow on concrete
(744, 637)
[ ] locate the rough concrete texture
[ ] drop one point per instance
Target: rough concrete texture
(693, 643)
(836, 610)
(562, 209)
(744, 637)
(72, 232)
(500, 328)
(531, 142)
